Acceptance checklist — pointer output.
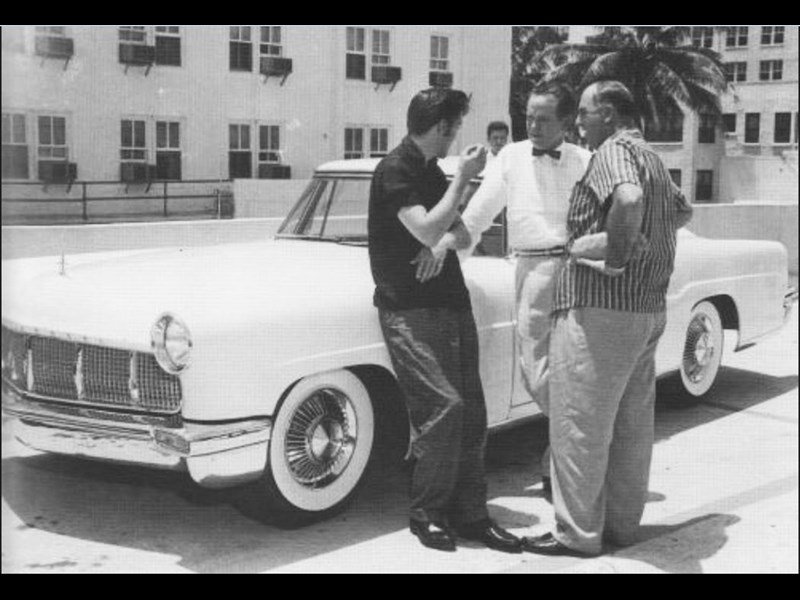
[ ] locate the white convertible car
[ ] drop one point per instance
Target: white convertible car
(263, 363)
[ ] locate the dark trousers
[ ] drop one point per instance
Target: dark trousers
(434, 352)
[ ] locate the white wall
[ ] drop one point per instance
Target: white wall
(755, 178)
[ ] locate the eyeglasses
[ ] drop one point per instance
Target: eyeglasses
(583, 113)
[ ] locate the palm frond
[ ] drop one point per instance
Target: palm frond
(558, 54)
(612, 65)
(696, 67)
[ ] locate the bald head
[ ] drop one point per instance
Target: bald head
(616, 95)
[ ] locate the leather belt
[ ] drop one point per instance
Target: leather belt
(529, 252)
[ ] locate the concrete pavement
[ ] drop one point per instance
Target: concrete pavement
(723, 499)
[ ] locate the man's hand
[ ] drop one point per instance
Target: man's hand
(600, 267)
(594, 245)
(472, 161)
(429, 263)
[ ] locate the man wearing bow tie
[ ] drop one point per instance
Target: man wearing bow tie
(533, 181)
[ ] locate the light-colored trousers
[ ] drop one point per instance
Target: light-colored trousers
(602, 401)
(536, 279)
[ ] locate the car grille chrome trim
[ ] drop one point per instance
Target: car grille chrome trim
(53, 369)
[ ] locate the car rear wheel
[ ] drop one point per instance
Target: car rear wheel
(702, 353)
(320, 446)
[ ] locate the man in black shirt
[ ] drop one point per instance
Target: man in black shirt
(429, 328)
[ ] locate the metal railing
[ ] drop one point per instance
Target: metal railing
(164, 191)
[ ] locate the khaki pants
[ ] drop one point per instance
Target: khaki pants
(602, 391)
(535, 287)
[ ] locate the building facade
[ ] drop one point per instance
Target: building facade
(760, 119)
(134, 103)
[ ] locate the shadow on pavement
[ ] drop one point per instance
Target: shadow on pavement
(680, 548)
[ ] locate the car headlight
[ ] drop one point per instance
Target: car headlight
(172, 343)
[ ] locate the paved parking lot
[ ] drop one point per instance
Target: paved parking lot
(723, 499)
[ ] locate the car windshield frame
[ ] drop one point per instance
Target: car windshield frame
(310, 216)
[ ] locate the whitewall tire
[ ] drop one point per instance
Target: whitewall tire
(702, 352)
(321, 443)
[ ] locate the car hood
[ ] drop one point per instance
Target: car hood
(116, 297)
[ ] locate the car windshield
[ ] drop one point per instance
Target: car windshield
(335, 209)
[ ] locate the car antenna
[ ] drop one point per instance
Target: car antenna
(62, 265)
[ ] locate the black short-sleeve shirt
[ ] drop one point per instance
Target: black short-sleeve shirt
(403, 179)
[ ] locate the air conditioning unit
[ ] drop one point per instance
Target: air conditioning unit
(57, 171)
(386, 74)
(54, 46)
(136, 172)
(271, 171)
(440, 79)
(137, 54)
(275, 65)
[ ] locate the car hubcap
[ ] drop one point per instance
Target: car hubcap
(321, 438)
(700, 350)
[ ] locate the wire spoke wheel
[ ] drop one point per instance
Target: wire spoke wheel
(321, 438)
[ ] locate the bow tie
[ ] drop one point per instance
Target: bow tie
(554, 153)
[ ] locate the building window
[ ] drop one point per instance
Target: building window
(168, 45)
(353, 143)
(52, 138)
(736, 71)
(705, 185)
(133, 146)
(702, 37)
(240, 157)
(378, 142)
(783, 128)
(676, 175)
(771, 70)
(271, 41)
(729, 122)
(269, 144)
(15, 147)
(168, 150)
(772, 35)
(241, 48)
(380, 47)
(708, 127)
(670, 128)
(440, 53)
(51, 30)
(356, 53)
(752, 126)
(736, 37)
(133, 34)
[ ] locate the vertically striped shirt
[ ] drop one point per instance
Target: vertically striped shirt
(623, 158)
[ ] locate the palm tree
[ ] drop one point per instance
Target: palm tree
(662, 70)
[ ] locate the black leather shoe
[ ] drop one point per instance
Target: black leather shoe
(433, 536)
(491, 535)
(547, 544)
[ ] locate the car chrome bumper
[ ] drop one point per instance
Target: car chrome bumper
(215, 455)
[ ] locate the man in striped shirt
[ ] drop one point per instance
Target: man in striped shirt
(610, 303)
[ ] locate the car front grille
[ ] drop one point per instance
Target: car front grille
(55, 369)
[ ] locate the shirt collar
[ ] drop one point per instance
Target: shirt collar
(414, 154)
